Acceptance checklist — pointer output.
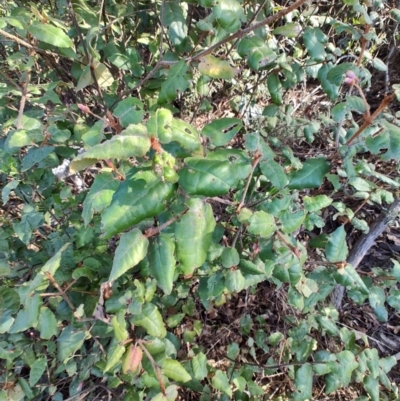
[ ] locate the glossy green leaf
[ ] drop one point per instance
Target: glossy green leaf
(332, 90)
(162, 263)
(132, 248)
(35, 156)
(256, 51)
(140, 196)
(275, 88)
(341, 371)
(336, 248)
(262, 223)
(132, 142)
(222, 130)
(114, 355)
(348, 277)
(151, 320)
(70, 341)
(303, 383)
(336, 74)
(29, 316)
(16, 139)
(311, 175)
(175, 371)
(160, 124)
(119, 325)
(216, 68)
(193, 233)
(129, 111)
(291, 221)
(175, 20)
(275, 173)
(177, 82)
(47, 323)
(316, 203)
(221, 383)
(229, 14)
(100, 195)
(37, 370)
(49, 34)
(183, 133)
(314, 40)
(211, 177)
(290, 30)
(199, 366)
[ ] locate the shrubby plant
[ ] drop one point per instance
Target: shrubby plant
(122, 217)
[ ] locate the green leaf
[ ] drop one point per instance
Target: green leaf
(19, 138)
(290, 30)
(230, 257)
(37, 369)
(162, 263)
(336, 73)
(275, 88)
(193, 233)
(160, 124)
(140, 196)
(175, 20)
(262, 223)
(114, 355)
(35, 156)
(220, 382)
(199, 366)
(103, 74)
(216, 68)
(175, 371)
(303, 383)
(378, 64)
(185, 134)
(132, 142)
(99, 196)
(54, 262)
(341, 371)
(49, 34)
(291, 221)
(256, 51)
(29, 316)
(235, 282)
(210, 177)
(5, 192)
(119, 325)
(129, 111)
(336, 248)
(70, 341)
(229, 14)
(275, 173)
(177, 81)
(372, 387)
(348, 277)
(132, 248)
(313, 40)
(16, 395)
(332, 90)
(221, 131)
(316, 203)
(47, 323)
(150, 318)
(311, 175)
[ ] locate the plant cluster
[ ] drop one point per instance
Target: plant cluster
(125, 222)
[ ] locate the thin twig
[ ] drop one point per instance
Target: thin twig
(256, 160)
(60, 290)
